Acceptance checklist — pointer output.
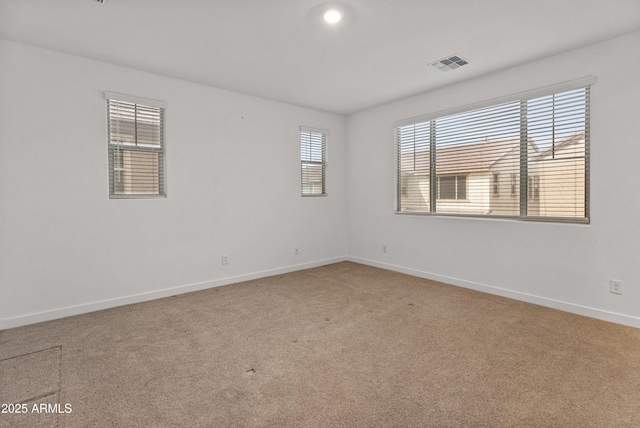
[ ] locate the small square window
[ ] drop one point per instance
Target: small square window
(452, 187)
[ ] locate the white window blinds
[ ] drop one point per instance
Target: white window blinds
(525, 158)
(313, 156)
(136, 147)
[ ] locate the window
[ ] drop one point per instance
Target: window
(534, 187)
(538, 140)
(452, 187)
(135, 147)
(514, 181)
(313, 159)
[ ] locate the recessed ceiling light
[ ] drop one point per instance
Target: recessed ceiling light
(332, 16)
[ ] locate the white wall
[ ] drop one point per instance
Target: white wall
(233, 188)
(233, 184)
(559, 265)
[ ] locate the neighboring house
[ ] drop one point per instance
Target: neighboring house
(562, 172)
(471, 178)
(505, 183)
(484, 178)
(312, 179)
(135, 172)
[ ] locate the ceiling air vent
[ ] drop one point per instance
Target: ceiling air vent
(449, 63)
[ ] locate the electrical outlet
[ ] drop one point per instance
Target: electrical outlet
(296, 251)
(384, 248)
(615, 286)
(225, 259)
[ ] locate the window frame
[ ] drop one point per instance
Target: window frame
(160, 150)
(585, 82)
(324, 141)
(495, 184)
(457, 179)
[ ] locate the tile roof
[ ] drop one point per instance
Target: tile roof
(462, 158)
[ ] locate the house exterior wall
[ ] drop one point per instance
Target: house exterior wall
(505, 193)
(415, 192)
(415, 195)
(477, 201)
(562, 190)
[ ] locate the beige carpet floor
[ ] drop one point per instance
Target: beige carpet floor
(343, 345)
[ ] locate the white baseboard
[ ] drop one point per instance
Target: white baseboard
(126, 300)
(516, 295)
(143, 297)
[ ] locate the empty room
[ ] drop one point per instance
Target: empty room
(305, 213)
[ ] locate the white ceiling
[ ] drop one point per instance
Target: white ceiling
(281, 49)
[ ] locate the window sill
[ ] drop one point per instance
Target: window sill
(140, 196)
(565, 220)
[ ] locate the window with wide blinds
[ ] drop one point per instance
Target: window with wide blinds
(136, 147)
(313, 159)
(523, 158)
